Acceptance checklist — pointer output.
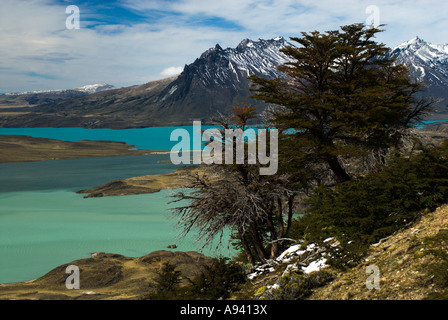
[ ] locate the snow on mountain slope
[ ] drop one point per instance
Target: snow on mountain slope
(218, 79)
(92, 88)
(215, 82)
(428, 62)
(231, 66)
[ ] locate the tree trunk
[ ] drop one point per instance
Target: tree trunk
(274, 245)
(290, 213)
(246, 248)
(258, 244)
(281, 227)
(338, 171)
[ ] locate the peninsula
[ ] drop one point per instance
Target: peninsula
(15, 148)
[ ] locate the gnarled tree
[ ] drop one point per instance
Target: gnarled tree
(236, 198)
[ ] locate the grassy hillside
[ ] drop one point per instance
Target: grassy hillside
(409, 263)
(412, 265)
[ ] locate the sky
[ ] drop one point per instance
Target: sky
(129, 42)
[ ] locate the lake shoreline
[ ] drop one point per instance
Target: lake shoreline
(143, 184)
(21, 148)
(105, 276)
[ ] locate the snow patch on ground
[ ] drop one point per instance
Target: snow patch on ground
(294, 252)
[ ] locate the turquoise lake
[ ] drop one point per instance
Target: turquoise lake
(156, 138)
(44, 223)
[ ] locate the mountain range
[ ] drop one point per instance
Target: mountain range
(214, 82)
(428, 63)
(33, 98)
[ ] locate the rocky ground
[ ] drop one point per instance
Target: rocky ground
(433, 133)
(402, 262)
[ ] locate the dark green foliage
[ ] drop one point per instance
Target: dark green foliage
(343, 97)
(345, 255)
(438, 296)
(363, 211)
(166, 283)
(217, 280)
(296, 286)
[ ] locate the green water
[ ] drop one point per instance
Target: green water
(44, 223)
(154, 138)
(41, 230)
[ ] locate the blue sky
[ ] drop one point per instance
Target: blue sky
(127, 42)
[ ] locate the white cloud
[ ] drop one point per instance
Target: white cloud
(261, 18)
(38, 43)
(38, 52)
(171, 71)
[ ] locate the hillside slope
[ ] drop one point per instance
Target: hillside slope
(403, 262)
(116, 108)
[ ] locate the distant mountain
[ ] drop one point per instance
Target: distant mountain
(115, 108)
(33, 98)
(216, 81)
(428, 63)
(91, 88)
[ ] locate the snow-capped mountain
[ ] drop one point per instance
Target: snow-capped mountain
(218, 79)
(215, 82)
(88, 89)
(35, 98)
(92, 88)
(218, 67)
(428, 63)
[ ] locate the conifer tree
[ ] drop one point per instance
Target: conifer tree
(342, 96)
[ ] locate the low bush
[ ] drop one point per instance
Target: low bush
(217, 280)
(362, 211)
(295, 286)
(166, 285)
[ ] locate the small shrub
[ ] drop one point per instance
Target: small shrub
(217, 280)
(345, 255)
(296, 286)
(166, 283)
